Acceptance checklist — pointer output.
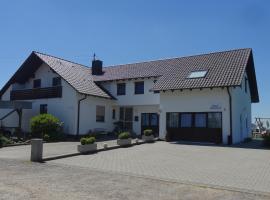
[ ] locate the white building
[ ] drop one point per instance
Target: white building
(204, 98)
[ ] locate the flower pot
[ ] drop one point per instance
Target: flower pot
(148, 138)
(124, 142)
(87, 148)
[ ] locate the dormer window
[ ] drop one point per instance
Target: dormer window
(197, 74)
(56, 81)
(37, 83)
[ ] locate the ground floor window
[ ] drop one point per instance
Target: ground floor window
(194, 120)
(126, 118)
(43, 109)
(100, 113)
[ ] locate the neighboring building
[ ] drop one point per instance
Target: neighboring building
(198, 98)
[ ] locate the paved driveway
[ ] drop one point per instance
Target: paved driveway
(225, 167)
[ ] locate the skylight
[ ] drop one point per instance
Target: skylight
(197, 74)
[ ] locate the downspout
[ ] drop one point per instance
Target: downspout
(78, 114)
(230, 106)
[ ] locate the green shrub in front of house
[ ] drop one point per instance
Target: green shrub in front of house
(46, 126)
(87, 140)
(148, 132)
(4, 140)
(124, 135)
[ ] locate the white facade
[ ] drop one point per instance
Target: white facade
(196, 100)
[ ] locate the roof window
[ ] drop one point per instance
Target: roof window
(197, 74)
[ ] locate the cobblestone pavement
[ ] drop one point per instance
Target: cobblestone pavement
(46, 181)
(226, 167)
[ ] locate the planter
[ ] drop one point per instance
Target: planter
(87, 148)
(149, 138)
(124, 142)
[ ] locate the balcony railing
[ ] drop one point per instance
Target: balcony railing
(36, 93)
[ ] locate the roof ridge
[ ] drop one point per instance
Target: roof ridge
(165, 59)
(61, 59)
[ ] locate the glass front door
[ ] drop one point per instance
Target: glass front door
(150, 121)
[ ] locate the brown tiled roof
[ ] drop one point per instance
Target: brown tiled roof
(223, 69)
(78, 76)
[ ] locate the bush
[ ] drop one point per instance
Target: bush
(46, 124)
(87, 140)
(148, 132)
(46, 137)
(4, 141)
(124, 135)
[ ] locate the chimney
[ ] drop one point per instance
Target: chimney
(96, 67)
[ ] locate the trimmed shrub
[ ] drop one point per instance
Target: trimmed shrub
(148, 132)
(87, 140)
(124, 135)
(46, 124)
(46, 137)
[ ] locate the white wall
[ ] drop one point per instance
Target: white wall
(195, 101)
(44, 73)
(241, 110)
(88, 114)
(148, 98)
(63, 108)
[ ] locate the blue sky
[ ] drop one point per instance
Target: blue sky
(131, 31)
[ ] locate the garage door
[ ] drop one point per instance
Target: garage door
(196, 127)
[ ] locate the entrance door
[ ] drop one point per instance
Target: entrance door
(150, 121)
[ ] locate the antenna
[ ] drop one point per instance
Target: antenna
(94, 56)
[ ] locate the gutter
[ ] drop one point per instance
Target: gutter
(78, 114)
(230, 106)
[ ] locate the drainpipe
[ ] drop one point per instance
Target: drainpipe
(78, 114)
(230, 105)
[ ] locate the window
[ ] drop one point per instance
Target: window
(246, 85)
(100, 113)
(43, 109)
(200, 120)
(139, 87)
(56, 81)
(121, 89)
(191, 120)
(113, 113)
(126, 118)
(186, 120)
(197, 74)
(172, 120)
(214, 120)
(37, 83)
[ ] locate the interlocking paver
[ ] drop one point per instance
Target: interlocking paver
(240, 168)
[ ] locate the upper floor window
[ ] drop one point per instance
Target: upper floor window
(246, 85)
(121, 89)
(56, 81)
(139, 87)
(37, 83)
(113, 113)
(100, 113)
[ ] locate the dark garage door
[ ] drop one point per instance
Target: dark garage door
(196, 127)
